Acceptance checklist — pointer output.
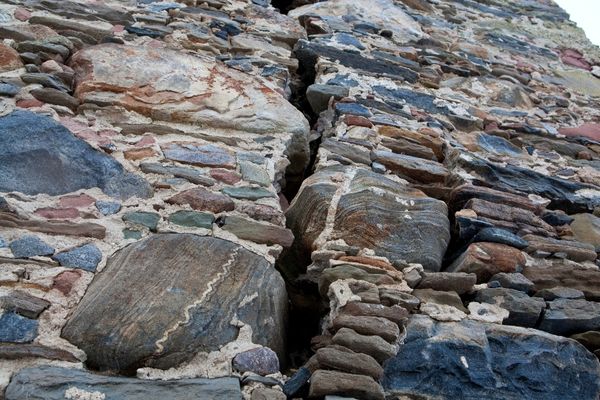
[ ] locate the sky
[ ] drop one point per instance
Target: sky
(585, 13)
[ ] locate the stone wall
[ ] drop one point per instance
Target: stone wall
(444, 234)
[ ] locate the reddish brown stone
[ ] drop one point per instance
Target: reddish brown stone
(356, 120)
(575, 59)
(57, 213)
(138, 154)
(591, 131)
(77, 201)
(9, 58)
(203, 200)
(146, 140)
(53, 227)
(369, 261)
(22, 14)
(29, 103)
(487, 259)
(225, 176)
(64, 281)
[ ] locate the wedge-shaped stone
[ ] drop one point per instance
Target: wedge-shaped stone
(160, 301)
(56, 383)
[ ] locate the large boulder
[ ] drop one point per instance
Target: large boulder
(160, 301)
(39, 155)
(56, 383)
(368, 210)
(180, 87)
(473, 360)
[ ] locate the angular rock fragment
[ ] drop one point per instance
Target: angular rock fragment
(487, 259)
(24, 304)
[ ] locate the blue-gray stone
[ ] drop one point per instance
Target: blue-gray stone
(343, 80)
(39, 155)
(147, 219)
(85, 257)
(499, 235)
(2, 242)
(8, 89)
(296, 382)
(108, 207)
(348, 40)
(30, 246)
(50, 383)
(498, 145)
(353, 109)
(472, 360)
(15, 328)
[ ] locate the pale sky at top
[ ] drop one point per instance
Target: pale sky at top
(586, 13)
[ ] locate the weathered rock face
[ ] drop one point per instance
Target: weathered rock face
(55, 383)
(185, 88)
(160, 301)
(367, 210)
(38, 155)
(470, 360)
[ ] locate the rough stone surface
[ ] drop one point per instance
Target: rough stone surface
(28, 140)
(262, 361)
(30, 246)
(200, 282)
(370, 211)
(85, 257)
(475, 360)
(54, 383)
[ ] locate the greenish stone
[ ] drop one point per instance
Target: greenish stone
(581, 81)
(131, 234)
(192, 219)
(247, 192)
(147, 219)
(254, 173)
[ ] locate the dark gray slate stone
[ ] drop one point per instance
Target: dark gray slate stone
(561, 192)
(499, 235)
(30, 246)
(524, 310)
(51, 383)
(514, 281)
(38, 155)
(472, 361)
(24, 304)
(161, 300)
(85, 257)
(568, 316)
(17, 329)
(318, 95)
(262, 361)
